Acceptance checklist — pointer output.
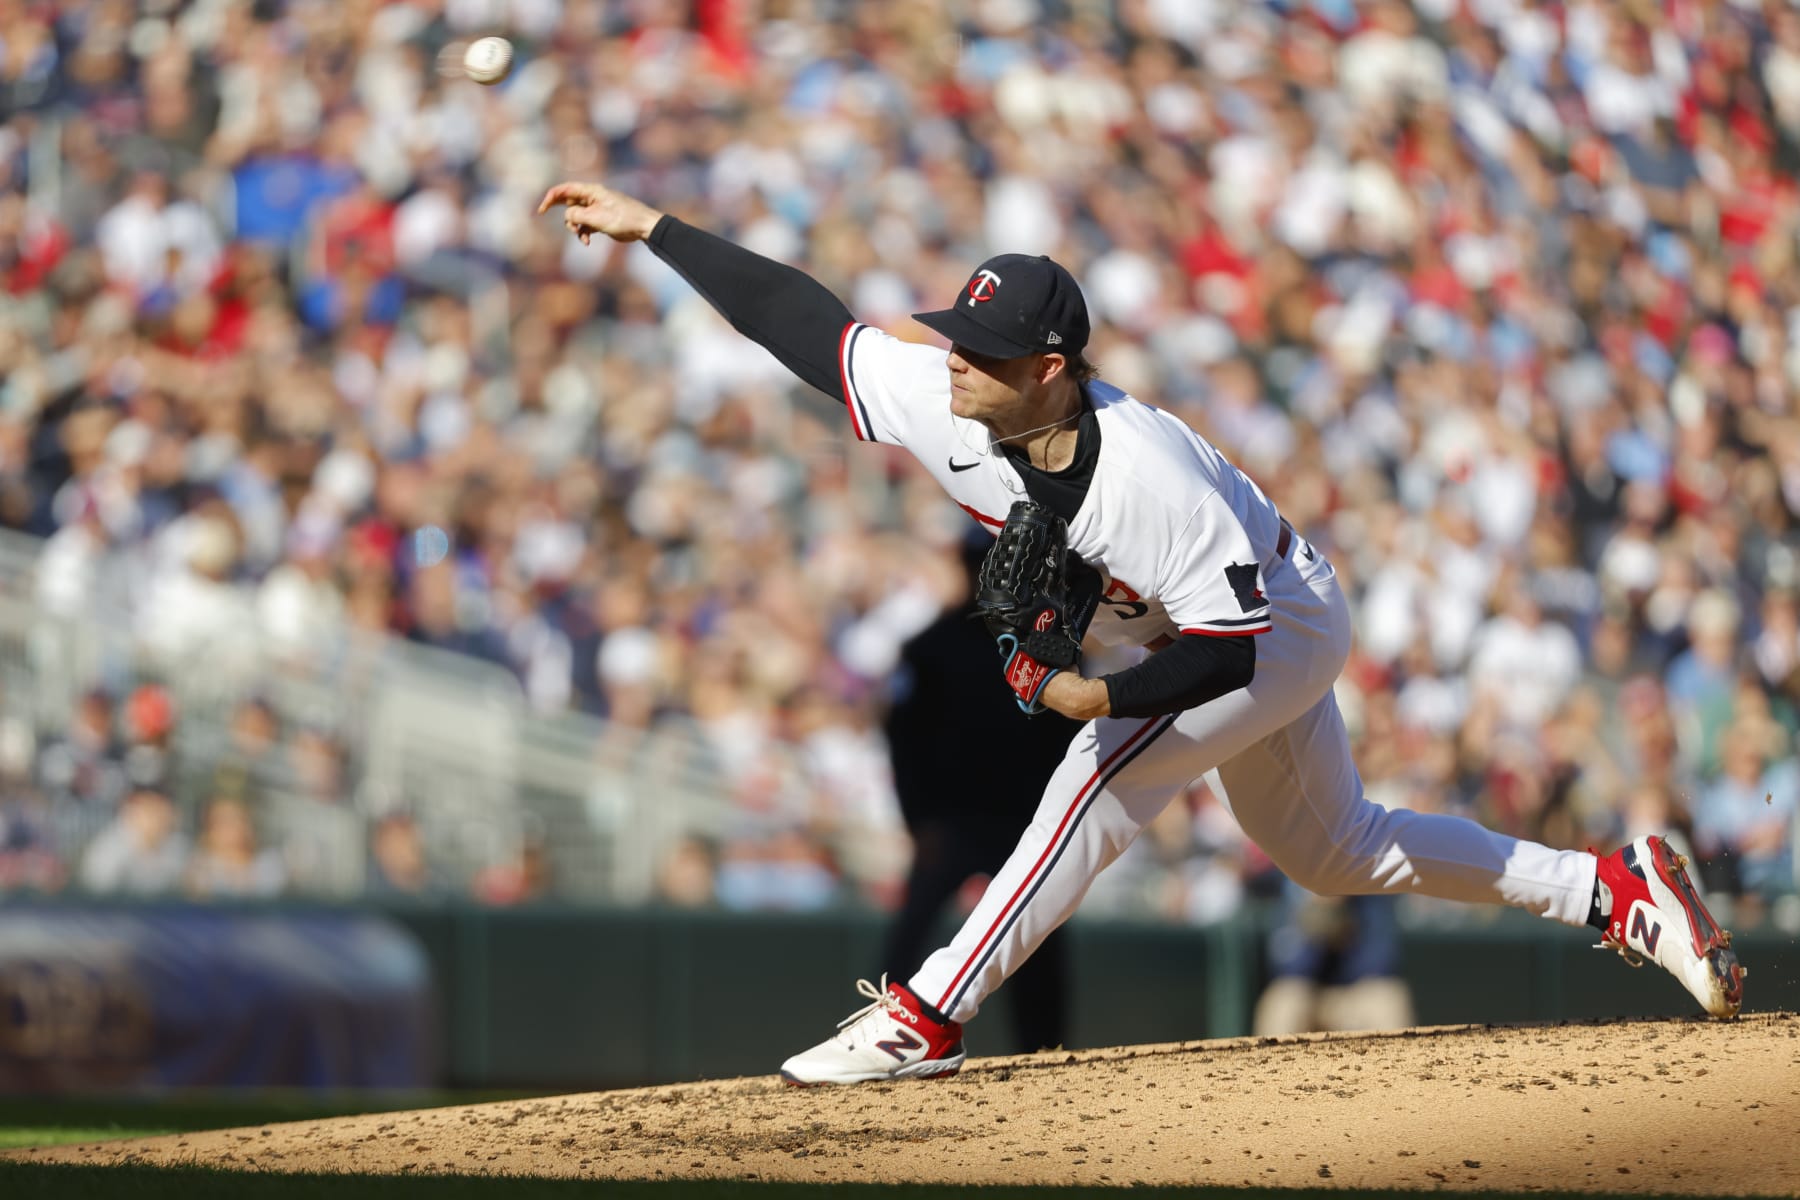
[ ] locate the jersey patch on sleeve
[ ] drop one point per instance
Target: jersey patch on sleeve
(1242, 578)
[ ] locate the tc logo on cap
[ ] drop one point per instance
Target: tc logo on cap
(982, 286)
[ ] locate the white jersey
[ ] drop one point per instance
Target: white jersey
(1180, 537)
(1186, 543)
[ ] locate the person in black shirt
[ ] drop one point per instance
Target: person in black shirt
(965, 804)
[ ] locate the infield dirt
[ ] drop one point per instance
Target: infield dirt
(1687, 1106)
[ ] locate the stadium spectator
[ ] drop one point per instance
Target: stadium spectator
(149, 756)
(29, 855)
(312, 819)
(249, 764)
(1334, 964)
(142, 852)
(81, 769)
(228, 861)
(1745, 816)
(1496, 300)
(398, 865)
(781, 869)
(525, 875)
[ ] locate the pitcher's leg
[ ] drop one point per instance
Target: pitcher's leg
(1297, 794)
(1118, 775)
(1037, 992)
(1084, 822)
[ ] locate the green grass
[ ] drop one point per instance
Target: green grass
(58, 1121)
(13, 1137)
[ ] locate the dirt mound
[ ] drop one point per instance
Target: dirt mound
(1650, 1106)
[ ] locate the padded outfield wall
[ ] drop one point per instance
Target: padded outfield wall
(594, 998)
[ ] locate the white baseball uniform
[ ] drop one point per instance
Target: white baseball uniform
(1186, 544)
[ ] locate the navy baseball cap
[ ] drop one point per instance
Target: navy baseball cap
(1014, 305)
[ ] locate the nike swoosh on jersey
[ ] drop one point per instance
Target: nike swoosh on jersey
(956, 466)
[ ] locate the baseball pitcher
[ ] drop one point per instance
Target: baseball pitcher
(1116, 520)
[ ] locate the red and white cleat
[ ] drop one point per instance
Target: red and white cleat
(1653, 911)
(893, 1038)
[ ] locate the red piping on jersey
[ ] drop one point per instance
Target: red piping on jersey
(844, 374)
(1025, 883)
(1232, 633)
(981, 516)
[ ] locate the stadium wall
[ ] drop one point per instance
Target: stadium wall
(583, 998)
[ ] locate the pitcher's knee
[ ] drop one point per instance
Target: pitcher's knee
(1322, 878)
(1350, 864)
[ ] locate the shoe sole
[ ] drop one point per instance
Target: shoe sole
(937, 1068)
(1711, 944)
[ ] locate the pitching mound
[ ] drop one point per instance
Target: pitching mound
(1652, 1106)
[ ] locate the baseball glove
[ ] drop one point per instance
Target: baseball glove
(1036, 599)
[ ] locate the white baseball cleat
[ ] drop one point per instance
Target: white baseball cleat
(893, 1038)
(1653, 911)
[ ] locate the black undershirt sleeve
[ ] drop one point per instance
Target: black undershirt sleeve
(798, 320)
(1184, 674)
(784, 310)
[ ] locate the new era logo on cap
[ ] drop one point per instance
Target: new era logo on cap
(1014, 305)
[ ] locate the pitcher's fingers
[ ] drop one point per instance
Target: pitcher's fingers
(589, 215)
(562, 193)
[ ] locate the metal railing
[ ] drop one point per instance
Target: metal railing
(447, 739)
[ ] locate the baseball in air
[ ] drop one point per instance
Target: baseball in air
(488, 59)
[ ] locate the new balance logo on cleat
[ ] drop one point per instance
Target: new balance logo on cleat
(1645, 933)
(895, 1045)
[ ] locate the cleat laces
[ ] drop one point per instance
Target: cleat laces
(1608, 942)
(880, 999)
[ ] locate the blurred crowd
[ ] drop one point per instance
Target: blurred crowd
(121, 800)
(1496, 298)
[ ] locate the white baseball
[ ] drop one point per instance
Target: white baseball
(488, 59)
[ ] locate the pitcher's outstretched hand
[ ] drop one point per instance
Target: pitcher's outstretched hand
(590, 208)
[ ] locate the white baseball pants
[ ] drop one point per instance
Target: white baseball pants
(1284, 758)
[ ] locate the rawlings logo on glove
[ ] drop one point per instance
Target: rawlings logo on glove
(1036, 599)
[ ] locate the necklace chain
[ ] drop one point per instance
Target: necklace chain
(1013, 437)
